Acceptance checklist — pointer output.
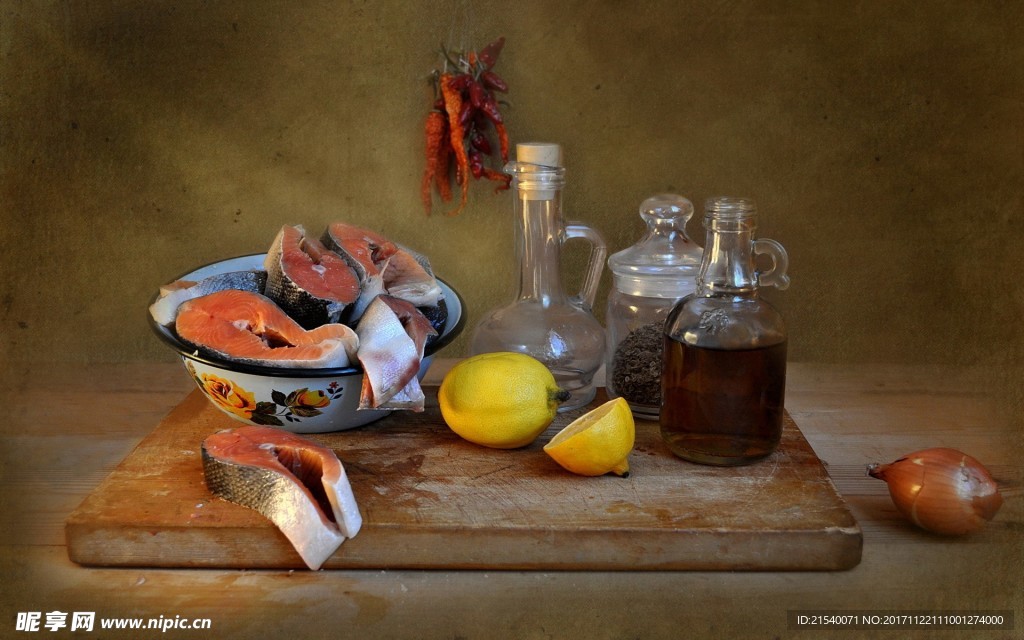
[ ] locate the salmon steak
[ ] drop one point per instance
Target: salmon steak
(313, 284)
(297, 484)
(367, 252)
(248, 327)
(384, 267)
(165, 309)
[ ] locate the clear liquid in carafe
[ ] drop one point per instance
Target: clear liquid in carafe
(722, 407)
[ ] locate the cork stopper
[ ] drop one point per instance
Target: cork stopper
(548, 154)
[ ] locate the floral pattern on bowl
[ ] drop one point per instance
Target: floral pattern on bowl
(235, 400)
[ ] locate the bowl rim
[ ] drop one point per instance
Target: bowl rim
(169, 337)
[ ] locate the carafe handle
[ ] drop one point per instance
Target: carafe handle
(595, 266)
(776, 276)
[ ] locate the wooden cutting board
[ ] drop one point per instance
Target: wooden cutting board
(432, 500)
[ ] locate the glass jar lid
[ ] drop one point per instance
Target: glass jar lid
(665, 262)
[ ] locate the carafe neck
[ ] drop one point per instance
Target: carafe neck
(727, 266)
(539, 229)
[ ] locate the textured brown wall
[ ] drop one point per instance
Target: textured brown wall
(882, 140)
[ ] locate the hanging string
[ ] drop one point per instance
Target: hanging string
(461, 28)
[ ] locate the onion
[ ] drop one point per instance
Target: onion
(941, 490)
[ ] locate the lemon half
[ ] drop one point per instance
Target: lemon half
(502, 399)
(598, 442)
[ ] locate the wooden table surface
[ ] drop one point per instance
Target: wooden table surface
(67, 426)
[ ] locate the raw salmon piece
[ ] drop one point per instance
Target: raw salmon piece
(392, 335)
(297, 484)
(383, 267)
(248, 327)
(172, 295)
(311, 283)
(367, 252)
(408, 276)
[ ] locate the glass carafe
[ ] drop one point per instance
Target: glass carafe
(543, 321)
(649, 278)
(724, 368)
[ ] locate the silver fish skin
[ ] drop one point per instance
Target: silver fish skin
(172, 295)
(392, 338)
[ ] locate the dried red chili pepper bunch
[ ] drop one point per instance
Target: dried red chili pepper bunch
(463, 123)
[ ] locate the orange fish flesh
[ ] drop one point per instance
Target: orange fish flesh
(248, 327)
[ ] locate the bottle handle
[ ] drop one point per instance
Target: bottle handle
(776, 276)
(595, 266)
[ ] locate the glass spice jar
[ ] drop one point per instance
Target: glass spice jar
(649, 278)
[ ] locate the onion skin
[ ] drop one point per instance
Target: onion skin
(941, 490)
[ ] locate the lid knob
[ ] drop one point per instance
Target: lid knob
(667, 206)
(664, 263)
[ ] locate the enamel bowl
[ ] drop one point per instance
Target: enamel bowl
(296, 400)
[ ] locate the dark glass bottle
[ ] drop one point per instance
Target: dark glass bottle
(724, 367)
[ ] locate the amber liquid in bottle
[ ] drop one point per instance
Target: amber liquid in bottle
(722, 407)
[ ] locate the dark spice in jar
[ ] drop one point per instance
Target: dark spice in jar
(636, 366)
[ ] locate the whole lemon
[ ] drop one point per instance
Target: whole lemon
(502, 399)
